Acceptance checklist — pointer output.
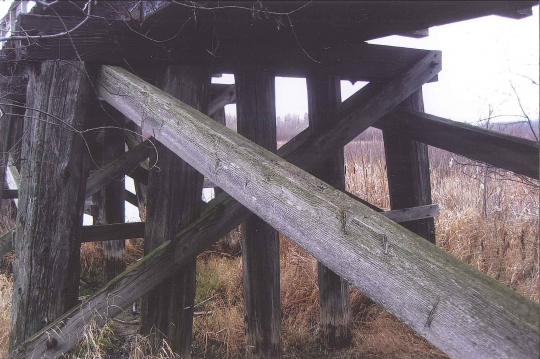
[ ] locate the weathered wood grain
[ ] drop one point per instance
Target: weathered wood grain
(46, 272)
(256, 116)
(5, 123)
(174, 201)
(111, 198)
(118, 41)
(407, 168)
(98, 233)
(225, 97)
(134, 138)
(324, 98)
(356, 116)
(6, 243)
(412, 214)
(498, 149)
(385, 261)
(118, 168)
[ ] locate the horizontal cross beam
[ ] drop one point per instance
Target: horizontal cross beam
(511, 153)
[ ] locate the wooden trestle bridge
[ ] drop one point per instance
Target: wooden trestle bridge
(80, 78)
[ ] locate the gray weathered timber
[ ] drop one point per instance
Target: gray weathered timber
(112, 231)
(498, 149)
(6, 242)
(131, 198)
(5, 122)
(356, 116)
(256, 116)
(227, 96)
(174, 201)
(457, 308)
(46, 272)
(412, 214)
(407, 168)
(118, 168)
(324, 98)
(111, 197)
(132, 140)
(10, 194)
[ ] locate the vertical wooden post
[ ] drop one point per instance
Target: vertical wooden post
(51, 198)
(407, 166)
(324, 96)
(260, 242)
(140, 189)
(174, 199)
(5, 122)
(110, 200)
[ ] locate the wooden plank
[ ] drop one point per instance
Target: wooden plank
(6, 243)
(324, 98)
(98, 233)
(10, 194)
(174, 201)
(111, 197)
(498, 149)
(118, 168)
(227, 96)
(407, 168)
(131, 198)
(256, 115)
(414, 213)
(140, 189)
(139, 174)
(46, 272)
(330, 22)
(367, 249)
(356, 116)
(98, 40)
(5, 124)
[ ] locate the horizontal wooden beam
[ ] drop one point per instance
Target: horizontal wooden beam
(109, 232)
(498, 149)
(97, 40)
(10, 194)
(225, 97)
(118, 168)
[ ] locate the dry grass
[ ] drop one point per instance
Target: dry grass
(486, 221)
(6, 289)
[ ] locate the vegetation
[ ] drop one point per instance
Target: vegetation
(489, 218)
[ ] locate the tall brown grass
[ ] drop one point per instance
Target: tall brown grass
(488, 218)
